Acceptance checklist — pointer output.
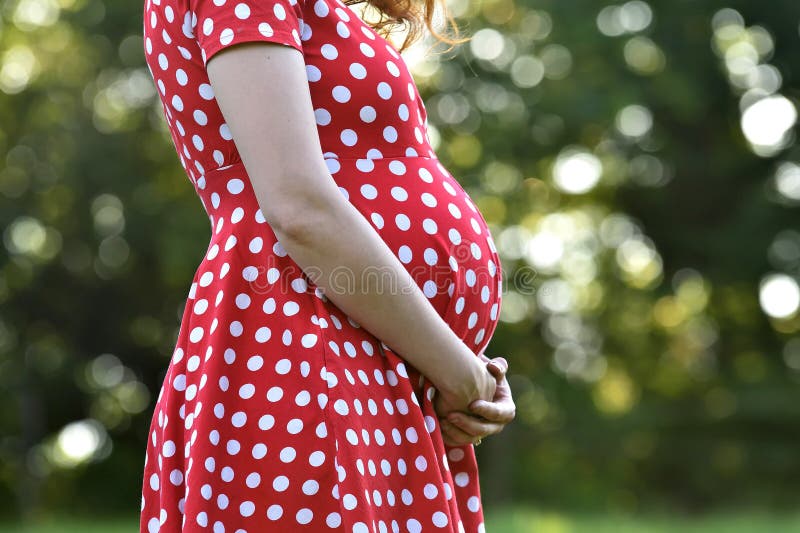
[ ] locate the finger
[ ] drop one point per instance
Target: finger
(500, 411)
(502, 391)
(456, 434)
(474, 426)
(495, 370)
(450, 442)
(447, 441)
(501, 364)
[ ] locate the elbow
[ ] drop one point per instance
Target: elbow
(299, 220)
(291, 226)
(299, 207)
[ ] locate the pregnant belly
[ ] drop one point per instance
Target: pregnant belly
(417, 207)
(434, 228)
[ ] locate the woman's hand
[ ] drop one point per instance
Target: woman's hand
(474, 381)
(484, 417)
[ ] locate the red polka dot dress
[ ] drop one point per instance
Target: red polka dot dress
(278, 412)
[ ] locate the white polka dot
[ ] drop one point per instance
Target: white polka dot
(399, 194)
(369, 191)
(349, 502)
(206, 91)
(253, 480)
(304, 515)
(196, 334)
(390, 134)
(368, 114)
(280, 483)
(235, 186)
(329, 51)
(430, 491)
(308, 340)
(288, 454)
(247, 391)
(393, 69)
(398, 168)
(366, 49)
(323, 116)
(321, 8)
(333, 520)
(384, 90)
(402, 112)
(348, 137)
(439, 519)
(265, 29)
(168, 449)
(267, 421)
(242, 11)
(404, 254)
(429, 226)
(263, 334)
(283, 366)
(226, 36)
(358, 71)
(402, 221)
(316, 458)
(247, 508)
(274, 512)
(291, 308)
(473, 504)
(430, 256)
(274, 394)
(310, 487)
(239, 419)
(430, 289)
(294, 426)
(341, 94)
(313, 73)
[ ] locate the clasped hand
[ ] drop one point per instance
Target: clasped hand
(484, 418)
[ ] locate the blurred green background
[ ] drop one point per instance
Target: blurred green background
(637, 162)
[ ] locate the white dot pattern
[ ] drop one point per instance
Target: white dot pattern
(278, 411)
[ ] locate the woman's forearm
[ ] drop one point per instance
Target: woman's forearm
(343, 255)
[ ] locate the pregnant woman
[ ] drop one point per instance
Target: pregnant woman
(329, 372)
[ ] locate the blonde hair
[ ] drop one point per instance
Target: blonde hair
(416, 15)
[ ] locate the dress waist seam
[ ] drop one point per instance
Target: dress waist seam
(335, 158)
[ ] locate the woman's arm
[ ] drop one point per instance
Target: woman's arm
(263, 92)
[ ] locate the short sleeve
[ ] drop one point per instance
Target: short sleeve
(224, 23)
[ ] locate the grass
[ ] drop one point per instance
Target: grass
(522, 520)
(517, 520)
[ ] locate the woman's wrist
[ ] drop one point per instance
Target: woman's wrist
(466, 380)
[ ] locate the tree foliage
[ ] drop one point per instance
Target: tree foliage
(637, 163)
